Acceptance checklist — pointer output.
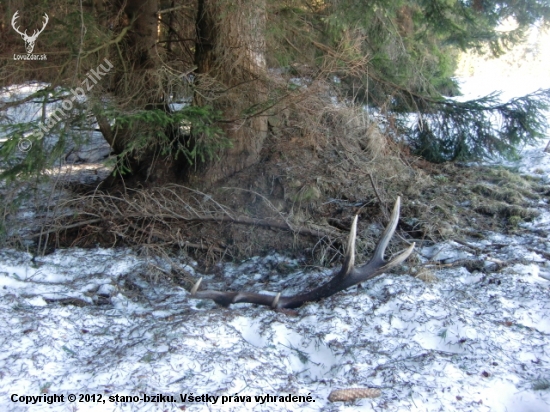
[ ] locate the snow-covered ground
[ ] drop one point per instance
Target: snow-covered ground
(102, 324)
(95, 322)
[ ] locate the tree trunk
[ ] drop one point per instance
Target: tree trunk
(139, 86)
(231, 69)
(230, 51)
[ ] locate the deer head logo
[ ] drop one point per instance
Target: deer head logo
(29, 40)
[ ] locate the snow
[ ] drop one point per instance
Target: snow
(86, 144)
(96, 322)
(514, 86)
(102, 323)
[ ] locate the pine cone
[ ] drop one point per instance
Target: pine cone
(346, 395)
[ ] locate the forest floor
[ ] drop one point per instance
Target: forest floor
(464, 325)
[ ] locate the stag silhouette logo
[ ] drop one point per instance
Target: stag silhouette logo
(29, 40)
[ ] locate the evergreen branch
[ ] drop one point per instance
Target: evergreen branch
(116, 40)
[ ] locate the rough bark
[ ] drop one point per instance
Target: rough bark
(231, 51)
(143, 37)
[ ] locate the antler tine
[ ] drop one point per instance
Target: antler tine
(46, 20)
(36, 32)
(196, 287)
(400, 257)
(377, 265)
(349, 260)
(276, 300)
(388, 233)
(13, 22)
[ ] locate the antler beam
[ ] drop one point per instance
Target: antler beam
(341, 279)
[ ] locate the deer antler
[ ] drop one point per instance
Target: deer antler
(37, 32)
(342, 279)
(15, 17)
